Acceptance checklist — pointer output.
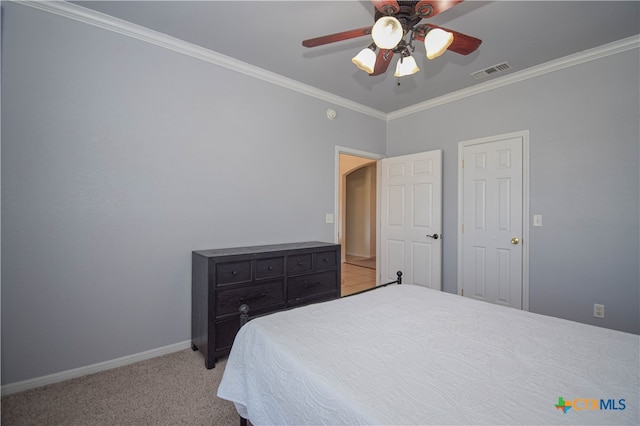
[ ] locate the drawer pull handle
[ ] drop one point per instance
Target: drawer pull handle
(270, 268)
(312, 284)
(234, 272)
(300, 263)
(325, 260)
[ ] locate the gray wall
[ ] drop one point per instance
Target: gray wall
(118, 159)
(584, 180)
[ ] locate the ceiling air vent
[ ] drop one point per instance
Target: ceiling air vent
(491, 70)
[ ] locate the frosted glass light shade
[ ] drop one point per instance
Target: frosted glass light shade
(365, 60)
(387, 32)
(406, 66)
(437, 41)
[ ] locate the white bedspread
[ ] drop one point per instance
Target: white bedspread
(410, 355)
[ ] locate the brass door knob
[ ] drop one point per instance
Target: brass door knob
(515, 240)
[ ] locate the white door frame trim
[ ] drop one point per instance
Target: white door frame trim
(524, 134)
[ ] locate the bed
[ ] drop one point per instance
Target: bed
(406, 354)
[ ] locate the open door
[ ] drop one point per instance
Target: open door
(411, 218)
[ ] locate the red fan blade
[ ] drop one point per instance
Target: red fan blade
(382, 61)
(386, 7)
(462, 43)
(429, 9)
(332, 38)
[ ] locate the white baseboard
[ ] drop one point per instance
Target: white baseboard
(365, 255)
(94, 368)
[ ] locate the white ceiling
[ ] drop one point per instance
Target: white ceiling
(268, 35)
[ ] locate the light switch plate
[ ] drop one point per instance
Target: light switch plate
(329, 218)
(537, 220)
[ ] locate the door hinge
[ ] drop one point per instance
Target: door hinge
(463, 164)
(462, 292)
(463, 228)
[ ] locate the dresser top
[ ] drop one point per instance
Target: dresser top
(262, 249)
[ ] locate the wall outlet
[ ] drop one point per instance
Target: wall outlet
(598, 310)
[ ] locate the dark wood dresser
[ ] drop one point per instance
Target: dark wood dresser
(265, 278)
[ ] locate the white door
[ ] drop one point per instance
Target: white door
(492, 229)
(411, 218)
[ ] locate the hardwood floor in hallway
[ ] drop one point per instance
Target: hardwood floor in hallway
(356, 278)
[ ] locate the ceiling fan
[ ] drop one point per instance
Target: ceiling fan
(395, 21)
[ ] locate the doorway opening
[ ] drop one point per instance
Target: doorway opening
(360, 214)
(357, 222)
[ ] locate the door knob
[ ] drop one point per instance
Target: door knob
(515, 240)
(434, 236)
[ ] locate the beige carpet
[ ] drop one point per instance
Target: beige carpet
(174, 389)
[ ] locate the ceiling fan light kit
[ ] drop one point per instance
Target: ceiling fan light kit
(395, 20)
(387, 32)
(366, 59)
(437, 42)
(406, 66)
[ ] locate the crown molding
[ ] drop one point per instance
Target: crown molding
(536, 71)
(110, 23)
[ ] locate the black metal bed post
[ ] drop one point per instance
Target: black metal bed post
(244, 318)
(244, 314)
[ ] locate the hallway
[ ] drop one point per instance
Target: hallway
(356, 278)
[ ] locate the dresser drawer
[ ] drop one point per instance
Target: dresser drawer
(326, 260)
(233, 272)
(255, 296)
(225, 332)
(299, 263)
(267, 268)
(225, 329)
(310, 286)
